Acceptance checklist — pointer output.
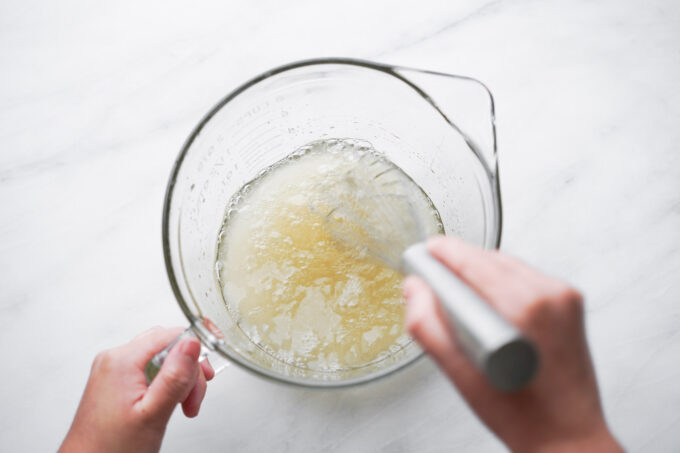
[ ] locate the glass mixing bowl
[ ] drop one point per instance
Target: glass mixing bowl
(439, 128)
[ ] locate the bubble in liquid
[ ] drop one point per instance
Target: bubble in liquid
(302, 297)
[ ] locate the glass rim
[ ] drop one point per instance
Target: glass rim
(196, 322)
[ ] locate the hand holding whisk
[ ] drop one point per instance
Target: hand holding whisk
(375, 208)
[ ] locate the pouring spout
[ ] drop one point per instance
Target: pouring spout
(466, 104)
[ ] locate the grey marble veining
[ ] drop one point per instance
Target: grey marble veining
(96, 99)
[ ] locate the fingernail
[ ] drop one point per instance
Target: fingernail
(407, 288)
(436, 242)
(433, 240)
(414, 316)
(190, 348)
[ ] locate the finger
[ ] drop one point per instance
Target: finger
(143, 347)
(427, 324)
(423, 321)
(517, 268)
(207, 369)
(467, 261)
(175, 380)
(495, 280)
(192, 404)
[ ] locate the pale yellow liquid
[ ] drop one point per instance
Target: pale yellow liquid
(297, 292)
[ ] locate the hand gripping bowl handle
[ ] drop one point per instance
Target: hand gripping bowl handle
(209, 336)
(507, 358)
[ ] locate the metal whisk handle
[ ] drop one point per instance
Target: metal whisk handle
(507, 358)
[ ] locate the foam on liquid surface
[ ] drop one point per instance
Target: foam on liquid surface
(291, 287)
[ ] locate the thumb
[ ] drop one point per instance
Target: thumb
(424, 321)
(428, 325)
(175, 380)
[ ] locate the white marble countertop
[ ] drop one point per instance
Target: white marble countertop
(96, 99)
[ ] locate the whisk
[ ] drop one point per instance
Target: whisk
(373, 208)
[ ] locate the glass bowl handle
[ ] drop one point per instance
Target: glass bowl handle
(216, 360)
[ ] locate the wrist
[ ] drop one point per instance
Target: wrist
(138, 441)
(598, 441)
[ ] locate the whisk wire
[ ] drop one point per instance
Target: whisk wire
(373, 213)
